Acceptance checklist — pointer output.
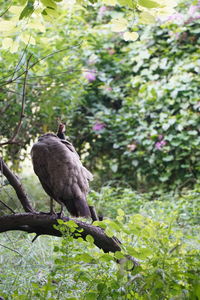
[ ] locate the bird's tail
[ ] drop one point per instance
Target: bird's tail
(77, 207)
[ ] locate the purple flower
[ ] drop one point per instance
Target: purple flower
(192, 9)
(160, 145)
(102, 10)
(98, 126)
(90, 75)
(175, 17)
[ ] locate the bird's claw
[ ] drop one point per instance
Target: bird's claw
(60, 215)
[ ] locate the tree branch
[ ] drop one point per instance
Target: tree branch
(44, 224)
(2, 83)
(6, 10)
(41, 223)
(18, 127)
(4, 204)
(16, 184)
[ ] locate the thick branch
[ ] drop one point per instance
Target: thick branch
(16, 184)
(44, 224)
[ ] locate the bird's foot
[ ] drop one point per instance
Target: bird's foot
(52, 212)
(60, 215)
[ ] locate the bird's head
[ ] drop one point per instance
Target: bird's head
(61, 130)
(61, 127)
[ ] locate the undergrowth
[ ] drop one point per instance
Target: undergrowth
(161, 232)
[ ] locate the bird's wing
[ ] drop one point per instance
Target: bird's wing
(39, 154)
(85, 172)
(69, 146)
(75, 177)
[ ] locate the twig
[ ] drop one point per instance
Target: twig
(11, 91)
(7, 207)
(59, 73)
(18, 127)
(16, 184)
(31, 66)
(24, 51)
(35, 237)
(5, 11)
(6, 247)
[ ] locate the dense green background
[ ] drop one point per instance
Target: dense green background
(144, 95)
(132, 112)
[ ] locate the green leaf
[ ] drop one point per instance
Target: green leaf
(27, 11)
(192, 132)
(145, 252)
(132, 251)
(106, 257)
(114, 167)
(60, 222)
(114, 226)
(90, 296)
(51, 12)
(119, 255)
(130, 36)
(89, 239)
(109, 232)
(146, 18)
(100, 224)
(71, 224)
(119, 25)
(7, 25)
(110, 2)
(168, 158)
(120, 212)
(148, 3)
(163, 178)
(84, 257)
(7, 43)
(128, 3)
(56, 249)
(49, 3)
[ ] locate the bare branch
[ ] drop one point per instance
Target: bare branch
(18, 127)
(4, 204)
(11, 91)
(6, 247)
(16, 184)
(24, 51)
(2, 83)
(3, 13)
(44, 224)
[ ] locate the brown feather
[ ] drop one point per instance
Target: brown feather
(61, 173)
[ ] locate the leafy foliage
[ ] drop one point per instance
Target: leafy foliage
(132, 111)
(132, 108)
(146, 95)
(161, 234)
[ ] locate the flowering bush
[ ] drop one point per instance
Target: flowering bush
(146, 101)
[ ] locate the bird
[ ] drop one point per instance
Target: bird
(61, 173)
